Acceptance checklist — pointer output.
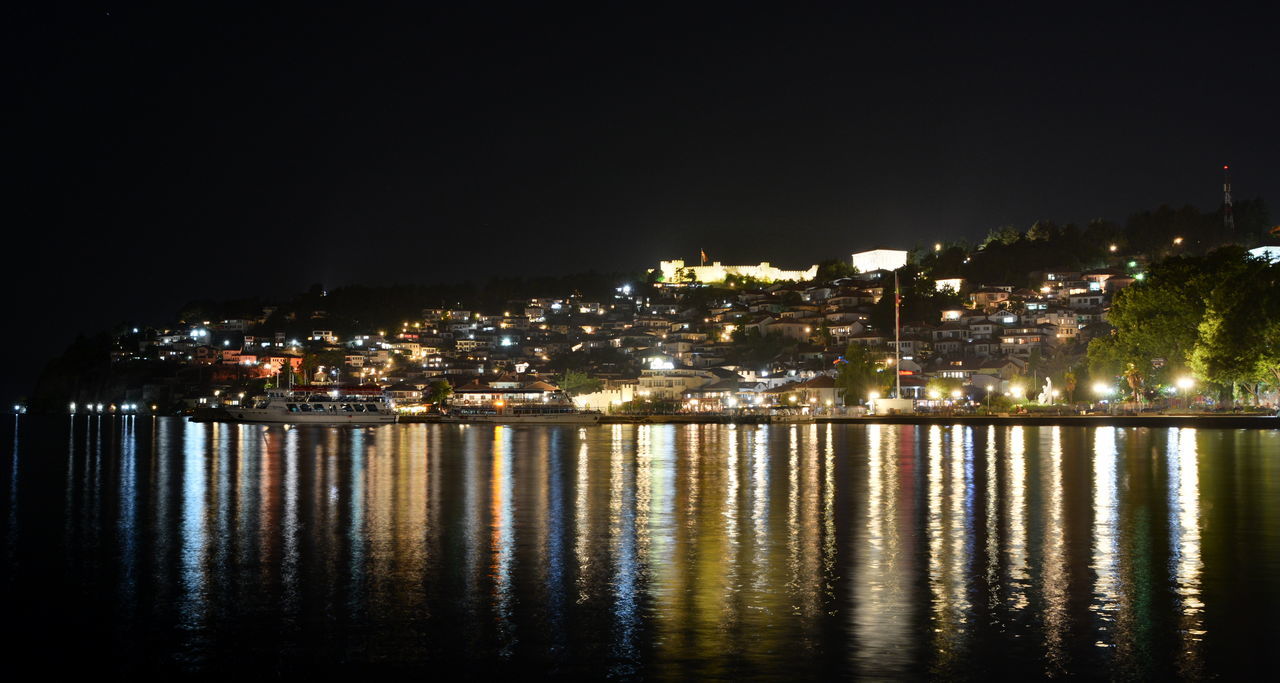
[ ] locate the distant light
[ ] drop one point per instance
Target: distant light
(873, 395)
(1185, 383)
(1177, 240)
(1101, 389)
(955, 393)
(937, 246)
(1112, 248)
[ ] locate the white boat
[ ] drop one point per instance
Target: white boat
(325, 404)
(532, 414)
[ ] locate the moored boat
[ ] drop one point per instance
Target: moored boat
(318, 404)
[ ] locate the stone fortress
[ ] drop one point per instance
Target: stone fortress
(866, 261)
(677, 271)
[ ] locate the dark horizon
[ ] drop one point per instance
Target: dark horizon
(177, 153)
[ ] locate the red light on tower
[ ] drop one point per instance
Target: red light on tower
(1225, 167)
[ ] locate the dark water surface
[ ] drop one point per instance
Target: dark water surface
(152, 545)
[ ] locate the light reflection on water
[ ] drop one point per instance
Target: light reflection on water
(647, 551)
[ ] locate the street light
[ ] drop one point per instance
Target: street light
(1102, 389)
(1184, 385)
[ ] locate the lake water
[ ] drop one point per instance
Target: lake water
(153, 545)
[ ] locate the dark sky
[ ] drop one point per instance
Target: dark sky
(183, 150)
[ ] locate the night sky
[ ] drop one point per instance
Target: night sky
(185, 150)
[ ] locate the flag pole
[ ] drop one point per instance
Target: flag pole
(897, 337)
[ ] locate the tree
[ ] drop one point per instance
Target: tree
(943, 386)
(1043, 231)
(1003, 235)
(328, 359)
(438, 392)
(859, 375)
(1069, 385)
(832, 269)
(575, 383)
(1239, 336)
(1160, 317)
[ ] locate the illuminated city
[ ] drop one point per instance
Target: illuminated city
(619, 341)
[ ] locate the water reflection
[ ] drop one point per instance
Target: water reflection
(656, 551)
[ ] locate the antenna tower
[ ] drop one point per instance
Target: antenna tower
(1228, 220)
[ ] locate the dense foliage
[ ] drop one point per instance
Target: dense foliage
(1217, 316)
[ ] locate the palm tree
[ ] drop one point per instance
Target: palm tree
(1069, 383)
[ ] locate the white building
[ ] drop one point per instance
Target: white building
(676, 271)
(1271, 254)
(879, 259)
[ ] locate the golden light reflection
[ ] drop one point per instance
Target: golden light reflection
(1016, 515)
(1053, 583)
(1184, 542)
(882, 625)
(1105, 555)
(859, 551)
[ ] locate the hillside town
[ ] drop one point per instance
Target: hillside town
(708, 338)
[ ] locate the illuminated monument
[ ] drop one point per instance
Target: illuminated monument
(677, 271)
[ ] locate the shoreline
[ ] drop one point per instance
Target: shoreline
(1159, 421)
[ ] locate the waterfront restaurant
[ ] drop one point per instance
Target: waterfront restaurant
(475, 393)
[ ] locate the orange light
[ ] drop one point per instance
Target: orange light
(498, 403)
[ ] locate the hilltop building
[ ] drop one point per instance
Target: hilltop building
(879, 259)
(677, 271)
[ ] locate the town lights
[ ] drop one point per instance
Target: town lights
(73, 407)
(1102, 389)
(955, 393)
(934, 394)
(1016, 391)
(1177, 241)
(1112, 248)
(1185, 383)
